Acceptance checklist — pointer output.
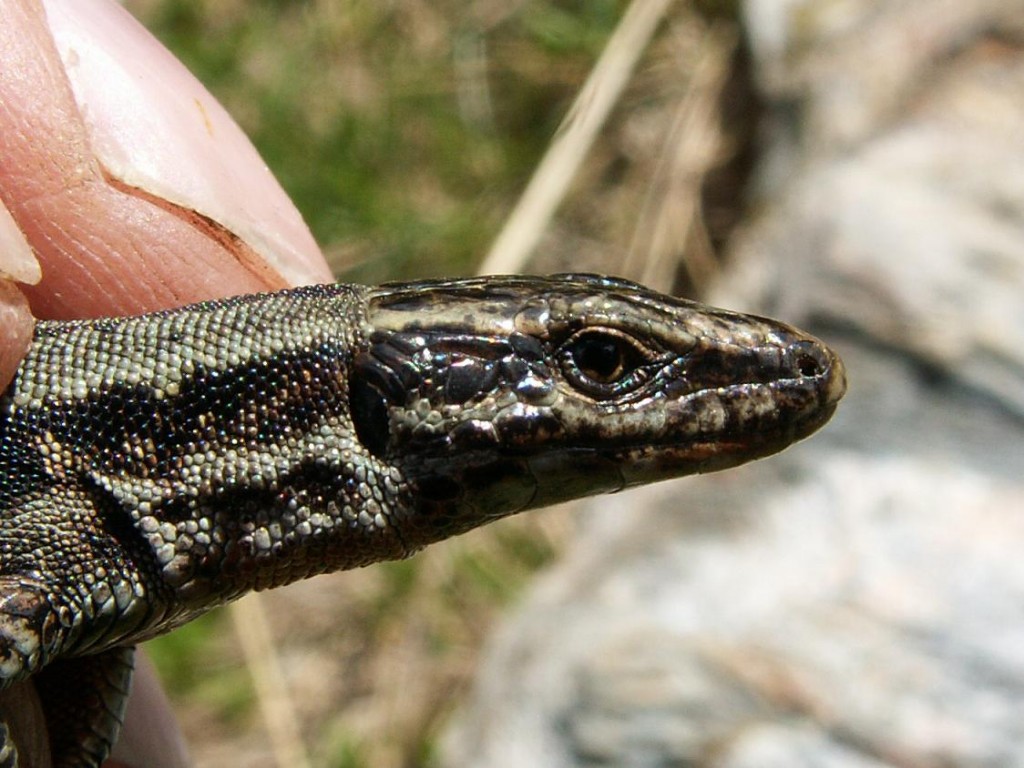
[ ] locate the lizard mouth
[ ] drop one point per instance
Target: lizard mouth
(585, 471)
(646, 464)
(508, 482)
(751, 421)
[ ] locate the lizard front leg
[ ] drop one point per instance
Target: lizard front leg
(82, 698)
(63, 604)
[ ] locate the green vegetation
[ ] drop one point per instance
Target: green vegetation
(192, 665)
(403, 130)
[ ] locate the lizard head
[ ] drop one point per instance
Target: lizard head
(492, 396)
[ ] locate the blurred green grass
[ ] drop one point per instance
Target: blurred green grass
(403, 130)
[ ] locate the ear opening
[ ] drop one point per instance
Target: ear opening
(370, 412)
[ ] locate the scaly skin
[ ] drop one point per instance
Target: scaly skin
(154, 467)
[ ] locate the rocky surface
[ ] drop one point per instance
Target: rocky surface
(859, 600)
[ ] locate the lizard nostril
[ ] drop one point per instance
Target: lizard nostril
(807, 359)
(808, 365)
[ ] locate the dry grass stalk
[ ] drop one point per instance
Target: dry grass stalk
(671, 223)
(570, 145)
(252, 628)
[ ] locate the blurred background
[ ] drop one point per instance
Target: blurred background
(405, 131)
(853, 166)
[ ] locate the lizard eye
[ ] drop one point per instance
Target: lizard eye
(603, 363)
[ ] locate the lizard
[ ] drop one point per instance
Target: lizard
(154, 467)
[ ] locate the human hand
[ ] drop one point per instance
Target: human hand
(125, 188)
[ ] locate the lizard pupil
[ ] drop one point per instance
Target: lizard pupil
(600, 358)
(604, 364)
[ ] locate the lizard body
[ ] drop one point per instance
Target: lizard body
(157, 466)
